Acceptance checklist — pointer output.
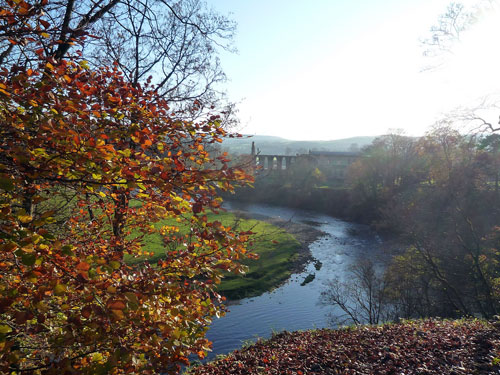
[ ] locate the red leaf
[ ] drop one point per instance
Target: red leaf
(197, 207)
(86, 311)
(178, 165)
(45, 23)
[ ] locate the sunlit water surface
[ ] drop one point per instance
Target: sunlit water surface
(292, 306)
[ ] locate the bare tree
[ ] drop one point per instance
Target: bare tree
(174, 42)
(482, 115)
(362, 298)
(56, 27)
(450, 26)
(448, 30)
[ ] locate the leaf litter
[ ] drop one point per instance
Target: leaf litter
(457, 347)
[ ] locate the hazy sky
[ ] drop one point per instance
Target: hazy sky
(328, 69)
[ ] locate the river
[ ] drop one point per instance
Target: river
(292, 306)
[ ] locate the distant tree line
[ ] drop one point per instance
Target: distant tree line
(439, 195)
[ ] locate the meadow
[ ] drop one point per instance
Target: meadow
(277, 251)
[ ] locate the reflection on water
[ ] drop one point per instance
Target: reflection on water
(292, 306)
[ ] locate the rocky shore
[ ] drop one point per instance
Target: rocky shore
(304, 233)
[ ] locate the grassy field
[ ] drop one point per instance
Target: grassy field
(277, 250)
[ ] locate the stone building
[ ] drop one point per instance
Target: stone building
(333, 164)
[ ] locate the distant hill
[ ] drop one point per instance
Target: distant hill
(281, 146)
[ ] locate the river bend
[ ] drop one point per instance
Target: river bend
(292, 306)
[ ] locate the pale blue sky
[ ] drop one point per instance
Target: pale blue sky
(327, 69)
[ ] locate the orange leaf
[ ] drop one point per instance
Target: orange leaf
(116, 305)
(83, 266)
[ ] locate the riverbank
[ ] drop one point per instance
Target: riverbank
(282, 247)
(457, 347)
(305, 234)
(282, 251)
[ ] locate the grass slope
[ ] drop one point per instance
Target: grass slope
(413, 347)
(277, 250)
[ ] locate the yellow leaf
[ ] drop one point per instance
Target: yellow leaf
(59, 289)
(28, 249)
(176, 334)
(84, 64)
(126, 153)
(25, 218)
(118, 314)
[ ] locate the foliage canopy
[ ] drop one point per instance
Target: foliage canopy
(86, 156)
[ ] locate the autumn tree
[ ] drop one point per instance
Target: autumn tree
(386, 168)
(445, 258)
(175, 42)
(451, 220)
(90, 165)
(439, 195)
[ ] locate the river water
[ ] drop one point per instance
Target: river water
(292, 306)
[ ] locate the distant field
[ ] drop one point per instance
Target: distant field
(277, 251)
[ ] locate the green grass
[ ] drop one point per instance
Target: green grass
(277, 251)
